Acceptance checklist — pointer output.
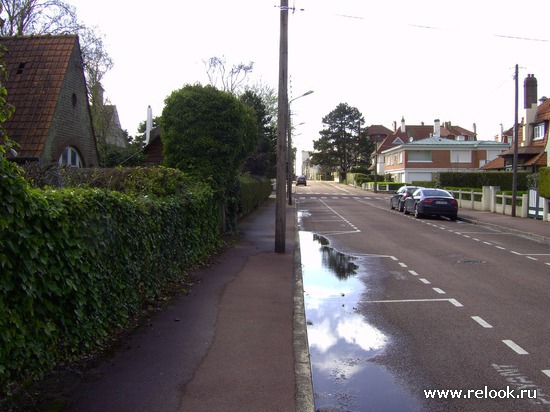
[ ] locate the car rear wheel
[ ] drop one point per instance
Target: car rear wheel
(453, 217)
(401, 207)
(417, 214)
(391, 205)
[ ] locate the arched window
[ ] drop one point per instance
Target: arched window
(70, 157)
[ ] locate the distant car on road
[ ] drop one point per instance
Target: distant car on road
(301, 180)
(436, 202)
(398, 199)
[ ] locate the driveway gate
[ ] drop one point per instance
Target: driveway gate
(535, 204)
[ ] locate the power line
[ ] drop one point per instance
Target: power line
(426, 27)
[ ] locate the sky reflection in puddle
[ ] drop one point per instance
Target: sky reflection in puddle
(342, 343)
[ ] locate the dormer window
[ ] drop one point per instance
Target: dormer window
(20, 68)
(538, 132)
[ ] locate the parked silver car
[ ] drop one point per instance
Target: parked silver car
(398, 199)
(436, 202)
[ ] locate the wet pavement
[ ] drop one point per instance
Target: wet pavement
(344, 346)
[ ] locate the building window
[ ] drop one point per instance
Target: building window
(538, 132)
(461, 156)
(70, 157)
(419, 155)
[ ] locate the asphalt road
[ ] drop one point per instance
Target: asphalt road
(467, 307)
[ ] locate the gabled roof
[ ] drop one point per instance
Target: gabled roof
(35, 66)
(543, 111)
(378, 130)
(414, 132)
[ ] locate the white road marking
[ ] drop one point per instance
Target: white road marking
(488, 243)
(531, 257)
(515, 347)
(546, 372)
(402, 265)
(456, 303)
(441, 292)
(425, 281)
(482, 322)
(453, 301)
(412, 272)
(500, 247)
(515, 253)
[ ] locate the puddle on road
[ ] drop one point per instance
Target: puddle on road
(342, 343)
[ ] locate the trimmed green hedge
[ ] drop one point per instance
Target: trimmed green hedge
(254, 191)
(78, 263)
(480, 179)
(544, 182)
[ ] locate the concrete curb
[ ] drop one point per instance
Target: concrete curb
(302, 366)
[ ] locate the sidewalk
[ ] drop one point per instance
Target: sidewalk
(532, 228)
(236, 342)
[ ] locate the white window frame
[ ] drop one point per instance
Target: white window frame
(538, 131)
(70, 158)
(425, 153)
(461, 156)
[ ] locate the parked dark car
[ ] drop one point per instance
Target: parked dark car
(398, 199)
(436, 202)
(301, 180)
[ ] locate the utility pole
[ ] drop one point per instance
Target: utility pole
(515, 161)
(282, 123)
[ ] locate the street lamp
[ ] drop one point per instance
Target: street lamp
(289, 148)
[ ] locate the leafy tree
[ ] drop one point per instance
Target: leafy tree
(343, 144)
(263, 161)
(209, 134)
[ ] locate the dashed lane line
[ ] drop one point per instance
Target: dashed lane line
(482, 322)
(515, 347)
(452, 301)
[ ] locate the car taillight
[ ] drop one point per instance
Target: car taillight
(454, 202)
(428, 200)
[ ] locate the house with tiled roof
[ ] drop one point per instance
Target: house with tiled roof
(418, 152)
(533, 131)
(45, 83)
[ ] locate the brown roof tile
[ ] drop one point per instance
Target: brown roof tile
(36, 67)
(497, 163)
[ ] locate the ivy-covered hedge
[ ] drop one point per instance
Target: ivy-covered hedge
(253, 192)
(544, 182)
(77, 263)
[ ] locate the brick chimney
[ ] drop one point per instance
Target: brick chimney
(530, 91)
(530, 106)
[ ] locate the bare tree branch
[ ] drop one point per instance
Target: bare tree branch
(231, 80)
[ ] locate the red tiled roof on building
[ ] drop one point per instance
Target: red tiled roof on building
(35, 66)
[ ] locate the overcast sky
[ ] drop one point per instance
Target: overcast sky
(422, 59)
